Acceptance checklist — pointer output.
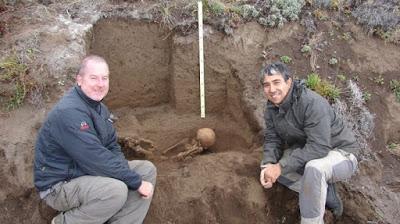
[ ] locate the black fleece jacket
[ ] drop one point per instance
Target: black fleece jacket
(78, 138)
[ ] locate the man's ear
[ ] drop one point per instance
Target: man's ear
(289, 81)
(78, 80)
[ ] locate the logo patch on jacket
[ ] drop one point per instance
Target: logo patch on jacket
(84, 126)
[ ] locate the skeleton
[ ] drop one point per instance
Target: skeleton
(204, 139)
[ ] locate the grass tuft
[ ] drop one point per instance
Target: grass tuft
(322, 87)
(15, 73)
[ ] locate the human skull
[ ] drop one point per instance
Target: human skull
(206, 137)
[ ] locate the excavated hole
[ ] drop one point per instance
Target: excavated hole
(156, 96)
(154, 93)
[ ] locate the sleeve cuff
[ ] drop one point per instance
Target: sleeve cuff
(284, 163)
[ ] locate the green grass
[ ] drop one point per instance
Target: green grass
(11, 68)
(18, 98)
(322, 87)
(313, 80)
(14, 72)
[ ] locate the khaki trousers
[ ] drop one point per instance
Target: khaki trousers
(97, 200)
(312, 186)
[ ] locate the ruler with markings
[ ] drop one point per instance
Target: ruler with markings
(201, 61)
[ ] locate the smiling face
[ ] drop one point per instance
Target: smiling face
(276, 88)
(94, 80)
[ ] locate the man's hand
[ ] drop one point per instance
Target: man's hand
(146, 189)
(272, 171)
(266, 182)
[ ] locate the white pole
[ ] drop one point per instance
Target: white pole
(201, 59)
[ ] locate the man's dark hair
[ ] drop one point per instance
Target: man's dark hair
(276, 68)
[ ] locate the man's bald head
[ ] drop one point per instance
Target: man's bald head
(89, 60)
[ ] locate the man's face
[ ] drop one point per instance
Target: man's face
(94, 82)
(276, 88)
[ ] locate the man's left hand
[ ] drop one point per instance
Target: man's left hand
(273, 171)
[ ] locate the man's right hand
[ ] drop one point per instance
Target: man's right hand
(265, 181)
(146, 189)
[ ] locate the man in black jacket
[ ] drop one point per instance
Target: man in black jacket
(79, 168)
(307, 147)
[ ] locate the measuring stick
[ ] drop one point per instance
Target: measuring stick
(201, 59)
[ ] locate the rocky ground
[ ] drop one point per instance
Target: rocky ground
(152, 49)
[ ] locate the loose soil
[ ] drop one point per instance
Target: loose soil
(154, 95)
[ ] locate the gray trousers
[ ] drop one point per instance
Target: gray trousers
(96, 200)
(312, 186)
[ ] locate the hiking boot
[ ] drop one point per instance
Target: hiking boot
(333, 201)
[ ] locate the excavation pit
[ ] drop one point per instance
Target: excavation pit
(155, 96)
(154, 90)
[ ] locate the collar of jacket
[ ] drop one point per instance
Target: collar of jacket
(293, 94)
(92, 103)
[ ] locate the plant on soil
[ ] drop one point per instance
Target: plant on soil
(330, 4)
(248, 12)
(394, 148)
(384, 35)
(392, 145)
(341, 77)
(346, 36)
(333, 61)
(165, 10)
(18, 98)
(214, 7)
(378, 14)
(286, 59)
(379, 80)
(392, 36)
(322, 87)
(13, 71)
(313, 80)
(277, 12)
(395, 87)
(366, 96)
(335, 4)
(306, 49)
(11, 68)
(321, 3)
(320, 14)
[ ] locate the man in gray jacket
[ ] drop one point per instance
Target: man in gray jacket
(79, 168)
(307, 147)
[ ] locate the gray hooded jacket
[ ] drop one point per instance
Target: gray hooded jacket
(306, 123)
